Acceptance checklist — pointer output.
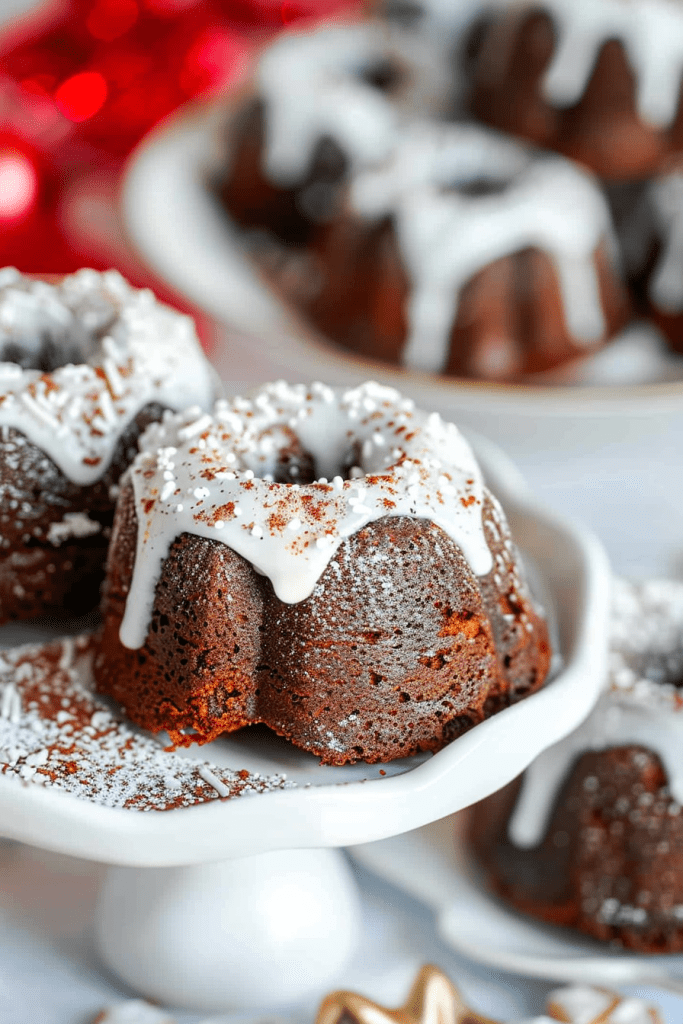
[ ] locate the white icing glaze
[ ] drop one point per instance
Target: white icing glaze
(651, 32)
(446, 237)
(312, 87)
(641, 706)
(131, 350)
(432, 44)
(666, 285)
(582, 1004)
(209, 476)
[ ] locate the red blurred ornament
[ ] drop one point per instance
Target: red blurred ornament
(83, 81)
(81, 96)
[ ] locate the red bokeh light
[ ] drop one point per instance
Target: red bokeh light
(82, 95)
(18, 185)
(211, 60)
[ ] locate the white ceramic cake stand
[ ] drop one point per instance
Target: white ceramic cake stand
(241, 902)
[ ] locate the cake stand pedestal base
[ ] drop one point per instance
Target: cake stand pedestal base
(238, 934)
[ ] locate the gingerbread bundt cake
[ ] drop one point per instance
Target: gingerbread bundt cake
(85, 365)
(323, 106)
(468, 254)
(597, 80)
(328, 562)
(593, 840)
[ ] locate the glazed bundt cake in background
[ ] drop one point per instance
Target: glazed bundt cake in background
(652, 241)
(328, 562)
(470, 255)
(326, 103)
(593, 839)
(597, 80)
(85, 365)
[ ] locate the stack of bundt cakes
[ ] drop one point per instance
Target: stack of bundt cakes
(377, 217)
(592, 837)
(328, 562)
(86, 364)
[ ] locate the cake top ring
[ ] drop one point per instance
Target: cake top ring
(80, 358)
(236, 477)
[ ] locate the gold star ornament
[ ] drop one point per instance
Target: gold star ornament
(433, 999)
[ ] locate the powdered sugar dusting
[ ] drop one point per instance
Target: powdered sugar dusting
(642, 704)
(214, 477)
(57, 733)
(87, 355)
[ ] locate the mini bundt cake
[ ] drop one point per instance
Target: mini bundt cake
(593, 839)
(655, 233)
(469, 255)
(327, 562)
(597, 80)
(85, 365)
(323, 106)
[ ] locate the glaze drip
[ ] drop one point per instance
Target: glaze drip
(447, 236)
(651, 32)
(666, 286)
(215, 477)
(113, 350)
(314, 88)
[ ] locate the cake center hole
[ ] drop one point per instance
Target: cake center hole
(38, 332)
(478, 188)
(294, 464)
(385, 75)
